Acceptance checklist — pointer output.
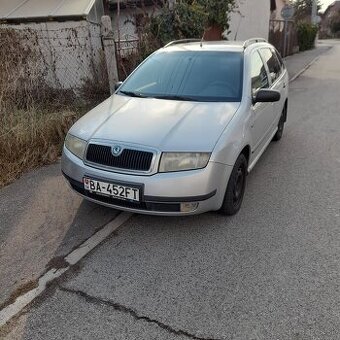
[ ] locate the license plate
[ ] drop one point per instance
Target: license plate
(113, 190)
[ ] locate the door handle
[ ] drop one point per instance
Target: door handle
(284, 85)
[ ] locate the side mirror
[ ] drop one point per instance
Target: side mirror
(117, 85)
(266, 96)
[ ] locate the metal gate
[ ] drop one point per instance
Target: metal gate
(277, 32)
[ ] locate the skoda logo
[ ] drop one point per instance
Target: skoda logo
(116, 150)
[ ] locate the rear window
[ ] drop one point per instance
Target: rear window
(189, 75)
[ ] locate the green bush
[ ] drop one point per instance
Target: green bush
(306, 35)
(190, 19)
(217, 11)
(185, 20)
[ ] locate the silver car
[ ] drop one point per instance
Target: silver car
(181, 133)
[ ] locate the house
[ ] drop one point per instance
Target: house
(276, 12)
(250, 19)
(23, 11)
(329, 18)
(65, 34)
(282, 34)
(127, 15)
(276, 26)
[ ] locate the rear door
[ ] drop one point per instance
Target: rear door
(262, 113)
(277, 79)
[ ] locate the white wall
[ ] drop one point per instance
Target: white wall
(250, 19)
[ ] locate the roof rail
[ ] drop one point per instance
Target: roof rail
(181, 41)
(253, 41)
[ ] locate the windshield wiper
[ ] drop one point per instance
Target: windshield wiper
(133, 94)
(176, 97)
(169, 97)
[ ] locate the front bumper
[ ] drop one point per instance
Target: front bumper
(163, 193)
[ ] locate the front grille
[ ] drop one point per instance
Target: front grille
(129, 159)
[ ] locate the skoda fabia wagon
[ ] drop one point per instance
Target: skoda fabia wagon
(181, 133)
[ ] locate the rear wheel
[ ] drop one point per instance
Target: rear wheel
(236, 186)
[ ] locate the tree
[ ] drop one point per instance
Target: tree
(218, 11)
(190, 19)
(335, 24)
(183, 20)
(303, 9)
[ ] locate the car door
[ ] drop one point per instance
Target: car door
(277, 79)
(262, 113)
(284, 80)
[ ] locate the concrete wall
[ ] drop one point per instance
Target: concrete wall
(251, 19)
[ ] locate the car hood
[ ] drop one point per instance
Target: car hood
(167, 125)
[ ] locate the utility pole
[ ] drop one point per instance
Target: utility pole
(314, 12)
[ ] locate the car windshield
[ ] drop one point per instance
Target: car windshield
(206, 76)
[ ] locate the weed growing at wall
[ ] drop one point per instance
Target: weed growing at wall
(34, 116)
(306, 35)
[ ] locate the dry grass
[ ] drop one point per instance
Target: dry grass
(34, 116)
(33, 119)
(31, 138)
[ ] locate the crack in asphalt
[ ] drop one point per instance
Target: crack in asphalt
(121, 308)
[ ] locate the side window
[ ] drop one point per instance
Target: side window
(272, 62)
(259, 78)
(279, 59)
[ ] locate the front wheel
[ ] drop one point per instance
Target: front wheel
(236, 186)
(280, 127)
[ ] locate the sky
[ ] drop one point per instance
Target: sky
(325, 4)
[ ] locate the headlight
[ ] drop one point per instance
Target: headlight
(75, 145)
(180, 161)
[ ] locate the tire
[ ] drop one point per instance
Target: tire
(280, 126)
(236, 186)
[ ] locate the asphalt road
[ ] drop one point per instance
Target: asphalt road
(41, 221)
(270, 272)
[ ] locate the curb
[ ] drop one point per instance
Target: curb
(15, 308)
(298, 74)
